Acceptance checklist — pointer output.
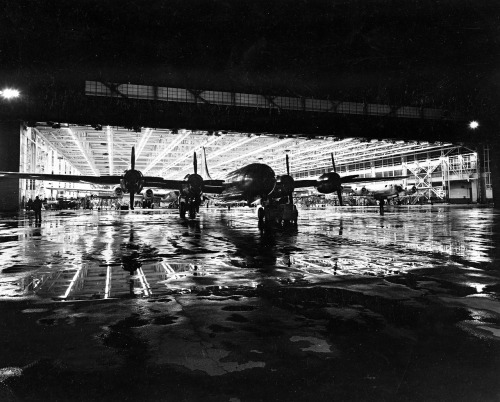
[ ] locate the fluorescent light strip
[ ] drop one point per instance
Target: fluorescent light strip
(80, 147)
(167, 149)
(143, 142)
(187, 154)
(223, 149)
(274, 144)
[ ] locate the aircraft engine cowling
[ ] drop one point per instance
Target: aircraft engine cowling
(285, 185)
(195, 184)
(328, 183)
(132, 182)
(149, 193)
(118, 192)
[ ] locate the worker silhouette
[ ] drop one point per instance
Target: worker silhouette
(37, 207)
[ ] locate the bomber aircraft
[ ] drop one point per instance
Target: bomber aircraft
(132, 181)
(258, 182)
(382, 191)
(251, 183)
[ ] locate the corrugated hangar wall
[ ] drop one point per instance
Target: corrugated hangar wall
(9, 161)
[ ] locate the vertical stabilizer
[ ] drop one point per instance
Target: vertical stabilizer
(204, 167)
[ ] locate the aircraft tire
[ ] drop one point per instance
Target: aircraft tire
(182, 210)
(260, 214)
(192, 211)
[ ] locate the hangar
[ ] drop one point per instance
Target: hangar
(349, 304)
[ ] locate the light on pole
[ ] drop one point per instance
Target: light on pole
(9, 93)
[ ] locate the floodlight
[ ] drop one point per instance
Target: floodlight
(473, 124)
(9, 93)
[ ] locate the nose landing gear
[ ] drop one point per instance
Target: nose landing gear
(278, 214)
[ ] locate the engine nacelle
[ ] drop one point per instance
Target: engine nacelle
(148, 194)
(118, 192)
(328, 183)
(132, 182)
(194, 185)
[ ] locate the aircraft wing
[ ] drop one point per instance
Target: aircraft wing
(160, 182)
(103, 180)
(305, 183)
(354, 178)
(213, 189)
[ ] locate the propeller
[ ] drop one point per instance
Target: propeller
(195, 164)
(132, 163)
(290, 195)
(339, 190)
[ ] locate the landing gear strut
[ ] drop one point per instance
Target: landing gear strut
(280, 214)
(190, 206)
(381, 206)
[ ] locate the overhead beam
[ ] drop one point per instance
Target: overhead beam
(247, 100)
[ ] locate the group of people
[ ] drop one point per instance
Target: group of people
(36, 206)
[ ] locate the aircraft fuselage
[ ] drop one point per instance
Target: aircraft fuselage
(379, 190)
(249, 183)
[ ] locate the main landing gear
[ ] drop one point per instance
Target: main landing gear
(189, 206)
(278, 214)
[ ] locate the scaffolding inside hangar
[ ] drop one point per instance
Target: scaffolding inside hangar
(450, 174)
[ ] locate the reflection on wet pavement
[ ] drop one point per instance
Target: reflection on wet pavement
(90, 255)
(350, 305)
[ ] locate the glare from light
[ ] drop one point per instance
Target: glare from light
(473, 124)
(9, 93)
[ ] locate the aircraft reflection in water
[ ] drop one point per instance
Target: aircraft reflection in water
(256, 182)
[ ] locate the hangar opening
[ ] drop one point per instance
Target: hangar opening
(435, 172)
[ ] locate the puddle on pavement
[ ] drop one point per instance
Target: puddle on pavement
(111, 254)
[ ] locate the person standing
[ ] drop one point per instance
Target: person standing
(37, 207)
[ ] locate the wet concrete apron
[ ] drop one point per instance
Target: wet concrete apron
(348, 306)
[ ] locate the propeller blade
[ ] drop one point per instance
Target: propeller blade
(132, 158)
(290, 196)
(339, 194)
(132, 200)
(333, 163)
(195, 164)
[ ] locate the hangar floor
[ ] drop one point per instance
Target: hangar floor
(350, 305)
